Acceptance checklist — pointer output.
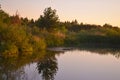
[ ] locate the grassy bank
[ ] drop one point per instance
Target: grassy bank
(96, 37)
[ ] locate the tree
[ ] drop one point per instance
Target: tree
(0, 6)
(24, 21)
(49, 20)
(107, 26)
(31, 23)
(4, 17)
(15, 19)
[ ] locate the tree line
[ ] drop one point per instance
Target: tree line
(18, 34)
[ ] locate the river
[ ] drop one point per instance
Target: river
(75, 64)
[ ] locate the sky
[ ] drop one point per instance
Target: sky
(87, 11)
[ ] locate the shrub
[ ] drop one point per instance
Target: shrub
(9, 49)
(38, 43)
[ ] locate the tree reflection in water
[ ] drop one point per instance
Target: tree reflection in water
(9, 70)
(48, 67)
(14, 68)
(104, 51)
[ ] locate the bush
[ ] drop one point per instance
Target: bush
(54, 39)
(9, 49)
(38, 43)
(13, 39)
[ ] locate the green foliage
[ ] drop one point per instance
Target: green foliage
(54, 39)
(9, 49)
(13, 38)
(4, 17)
(21, 35)
(99, 36)
(38, 43)
(49, 20)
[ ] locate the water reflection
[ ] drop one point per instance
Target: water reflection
(14, 68)
(48, 67)
(104, 51)
(9, 70)
(45, 64)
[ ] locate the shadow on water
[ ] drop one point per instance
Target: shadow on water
(46, 63)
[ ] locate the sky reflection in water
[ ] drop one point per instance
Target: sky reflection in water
(70, 65)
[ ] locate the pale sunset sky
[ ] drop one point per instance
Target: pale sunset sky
(86, 11)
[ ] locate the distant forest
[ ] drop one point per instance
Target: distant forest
(18, 34)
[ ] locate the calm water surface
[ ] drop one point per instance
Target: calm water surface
(84, 64)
